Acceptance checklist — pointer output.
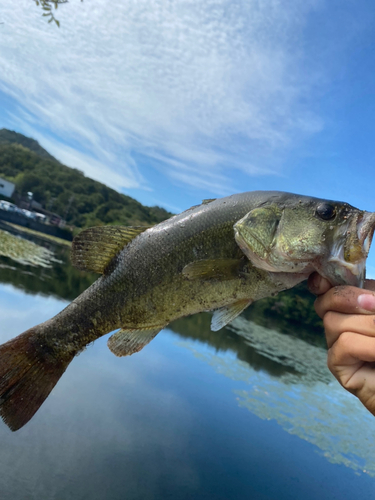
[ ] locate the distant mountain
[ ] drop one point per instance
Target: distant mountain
(81, 201)
(11, 137)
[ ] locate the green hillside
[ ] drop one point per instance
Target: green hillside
(81, 201)
(11, 137)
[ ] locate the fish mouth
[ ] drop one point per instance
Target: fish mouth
(365, 230)
(351, 254)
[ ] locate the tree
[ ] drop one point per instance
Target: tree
(47, 6)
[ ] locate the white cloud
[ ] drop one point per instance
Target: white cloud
(125, 177)
(190, 83)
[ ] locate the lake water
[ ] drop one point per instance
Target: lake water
(243, 413)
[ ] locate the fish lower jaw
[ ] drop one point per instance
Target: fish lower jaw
(284, 280)
(365, 230)
(340, 272)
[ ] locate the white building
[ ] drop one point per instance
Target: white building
(6, 188)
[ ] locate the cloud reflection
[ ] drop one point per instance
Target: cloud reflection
(307, 402)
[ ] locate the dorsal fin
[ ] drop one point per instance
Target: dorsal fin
(95, 247)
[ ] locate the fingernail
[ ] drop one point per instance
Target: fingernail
(316, 281)
(366, 301)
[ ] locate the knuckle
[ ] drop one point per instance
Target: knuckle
(334, 365)
(330, 363)
(329, 320)
(341, 347)
(344, 341)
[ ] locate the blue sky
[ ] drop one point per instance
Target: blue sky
(174, 102)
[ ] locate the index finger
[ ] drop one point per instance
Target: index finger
(317, 284)
(347, 300)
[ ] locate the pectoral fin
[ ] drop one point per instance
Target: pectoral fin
(225, 315)
(223, 269)
(95, 247)
(127, 342)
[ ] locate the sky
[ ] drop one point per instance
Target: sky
(172, 102)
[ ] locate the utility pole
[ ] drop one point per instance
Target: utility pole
(50, 203)
(68, 206)
(30, 196)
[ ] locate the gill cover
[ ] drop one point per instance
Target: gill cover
(255, 234)
(279, 240)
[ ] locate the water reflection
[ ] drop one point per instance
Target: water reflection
(304, 398)
(39, 265)
(198, 328)
(174, 413)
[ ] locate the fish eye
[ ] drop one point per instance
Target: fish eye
(326, 211)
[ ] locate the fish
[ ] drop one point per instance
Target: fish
(219, 256)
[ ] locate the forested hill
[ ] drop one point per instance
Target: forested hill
(81, 201)
(11, 137)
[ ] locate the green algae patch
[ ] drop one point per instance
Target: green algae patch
(24, 251)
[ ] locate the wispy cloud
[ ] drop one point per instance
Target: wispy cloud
(125, 175)
(198, 86)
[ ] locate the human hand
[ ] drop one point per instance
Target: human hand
(348, 315)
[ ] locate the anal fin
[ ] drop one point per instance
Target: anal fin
(127, 342)
(226, 314)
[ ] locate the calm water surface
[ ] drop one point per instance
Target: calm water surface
(245, 413)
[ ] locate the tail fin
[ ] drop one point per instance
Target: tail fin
(28, 373)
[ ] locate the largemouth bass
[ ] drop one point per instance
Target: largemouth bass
(221, 255)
